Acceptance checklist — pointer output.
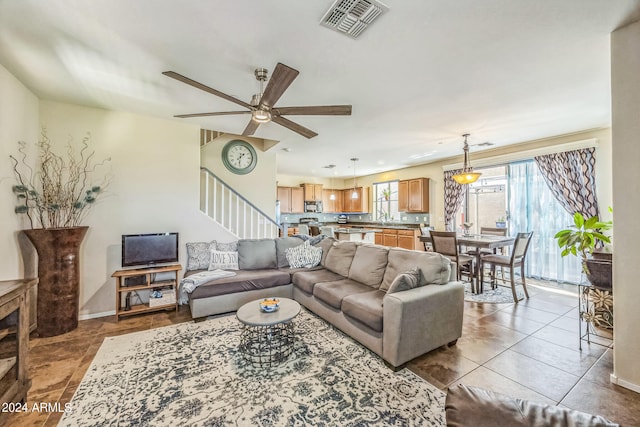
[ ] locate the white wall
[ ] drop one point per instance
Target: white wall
(155, 188)
(258, 186)
(625, 76)
(18, 122)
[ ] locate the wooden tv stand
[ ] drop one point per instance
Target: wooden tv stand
(144, 280)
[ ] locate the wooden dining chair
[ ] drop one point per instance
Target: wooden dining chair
(490, 231)
(446, 243)
(516, 259)
(314, 230)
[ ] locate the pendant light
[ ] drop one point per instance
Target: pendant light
(332, 195)
(354, 194)
(261, 114)
(467, 175)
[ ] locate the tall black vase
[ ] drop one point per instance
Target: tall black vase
(59, 278)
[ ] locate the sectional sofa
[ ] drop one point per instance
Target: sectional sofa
(398, 303)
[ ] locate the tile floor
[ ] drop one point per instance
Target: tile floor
(528, 350)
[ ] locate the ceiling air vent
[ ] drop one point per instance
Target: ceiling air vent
(352, 17)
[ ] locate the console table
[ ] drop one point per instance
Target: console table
(14, 371)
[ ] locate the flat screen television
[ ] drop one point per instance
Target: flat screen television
(149, 249)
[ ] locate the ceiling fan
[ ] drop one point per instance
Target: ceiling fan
(262, 106)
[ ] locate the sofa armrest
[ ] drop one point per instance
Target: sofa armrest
(421, 319)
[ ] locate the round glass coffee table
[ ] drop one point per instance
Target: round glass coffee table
(267, 338)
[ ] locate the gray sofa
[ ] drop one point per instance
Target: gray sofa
(356, 287)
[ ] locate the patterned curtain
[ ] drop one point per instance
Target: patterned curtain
(453, 197)
(571, 177)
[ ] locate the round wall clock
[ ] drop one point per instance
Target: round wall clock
(239, 157)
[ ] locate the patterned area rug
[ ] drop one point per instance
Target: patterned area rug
(500, 295)
(192, 374)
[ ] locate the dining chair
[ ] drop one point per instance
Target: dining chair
(516, 259)
(446, 243)
(490, 231)
(303, 229)
(328, 231)
(426, 231)
(314, 230)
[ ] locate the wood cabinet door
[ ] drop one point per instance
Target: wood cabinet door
(378, 239)
(347, 200)
(284, 195)
(419, 195)
(317, 191)
(390, 237)
(297, 199)
(338, 202)
(403, 196)
(406, 242)
(328, 205)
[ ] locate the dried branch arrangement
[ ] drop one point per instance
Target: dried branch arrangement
(59, 191)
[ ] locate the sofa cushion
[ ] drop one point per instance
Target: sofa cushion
(340, 257)
(325, 244)
(282, 244)
(244, 280)
(366, 308)
(306, 280)
(304, 255)
(404, 281)
(434, 267)
(256, 254)
(332, 293)
(228, 246)
(369, 264)
(199, 255)
(474, 406)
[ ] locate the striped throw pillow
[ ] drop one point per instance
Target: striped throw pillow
(303, 255)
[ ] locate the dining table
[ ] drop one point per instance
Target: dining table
(479, 241)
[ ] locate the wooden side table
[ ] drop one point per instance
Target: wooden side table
(14, 370)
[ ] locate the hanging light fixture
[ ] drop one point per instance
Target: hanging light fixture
(332, 195)
(354, 194)
(467, 175)
(261, 114)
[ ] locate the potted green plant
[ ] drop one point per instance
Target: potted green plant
(501, 222)
(584, 239)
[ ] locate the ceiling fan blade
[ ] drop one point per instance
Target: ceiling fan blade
(317, 110)
(220, 113)
(307, 133)
(205, 88)
(280, 80)
(251, 128)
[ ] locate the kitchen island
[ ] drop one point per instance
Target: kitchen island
(357, 234)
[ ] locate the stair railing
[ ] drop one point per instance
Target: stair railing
(232, 211)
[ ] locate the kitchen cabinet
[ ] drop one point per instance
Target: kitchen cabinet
(400, 238)
(413, 195)
(407, 239)
(361, 204)
(312, 192)
(390, 237)
(379, 240)
(331, 206)
(291, 199)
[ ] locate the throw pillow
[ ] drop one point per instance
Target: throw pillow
(404, 281)
(199, 255)
(223, 260)
(303, 255)
(227, 247)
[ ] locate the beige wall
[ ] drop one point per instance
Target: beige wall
(18, 122)
(258, 186)
(155, 188)
(625, 77)
(434, 171)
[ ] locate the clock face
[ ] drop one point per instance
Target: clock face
(239, 157)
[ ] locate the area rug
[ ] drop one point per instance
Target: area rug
(499, 295)
(192, 374)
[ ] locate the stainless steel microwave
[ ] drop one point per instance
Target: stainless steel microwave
(313, 206)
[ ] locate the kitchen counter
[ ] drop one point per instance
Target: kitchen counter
(356, 234)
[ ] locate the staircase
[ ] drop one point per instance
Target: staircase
(230, 210)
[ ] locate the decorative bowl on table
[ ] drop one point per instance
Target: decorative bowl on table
(269, 305)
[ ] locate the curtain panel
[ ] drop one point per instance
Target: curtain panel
(453, 197)
(572, 180)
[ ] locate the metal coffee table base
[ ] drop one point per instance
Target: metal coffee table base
(266, 346)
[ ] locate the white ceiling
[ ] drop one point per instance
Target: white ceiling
(426, 72)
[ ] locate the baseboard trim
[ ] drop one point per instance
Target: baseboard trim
(96, 315)
(626, 384)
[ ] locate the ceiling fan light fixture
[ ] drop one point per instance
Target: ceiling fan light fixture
(467, 175)
(261, 116)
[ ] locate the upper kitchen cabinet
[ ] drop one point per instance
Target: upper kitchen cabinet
(312, 192)
(413, 195)
(329, 205)
(359, 204)
(291, 199)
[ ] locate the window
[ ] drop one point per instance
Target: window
(385, 201)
